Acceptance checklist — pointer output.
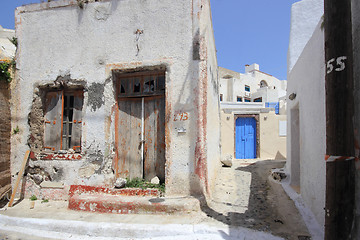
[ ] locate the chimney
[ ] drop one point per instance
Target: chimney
(252, 67)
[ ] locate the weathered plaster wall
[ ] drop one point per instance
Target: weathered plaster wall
(227, 134)
(307, 80)
(213, 103)
(305, 15)
(356, 47)
(86, 44)
(272, 146)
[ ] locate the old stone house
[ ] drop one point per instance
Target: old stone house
(113, 88)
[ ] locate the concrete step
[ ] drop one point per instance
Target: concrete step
(35, 228)
(106, 203)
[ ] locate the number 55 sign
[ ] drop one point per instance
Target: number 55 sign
(339, 65)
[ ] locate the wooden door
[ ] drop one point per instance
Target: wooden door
(130, 162)
(154, 138)
(245, 138)
(141, 137)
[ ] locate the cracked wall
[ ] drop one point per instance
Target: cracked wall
(87, 44)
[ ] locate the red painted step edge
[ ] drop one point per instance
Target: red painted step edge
(112, 204)
(83, 189)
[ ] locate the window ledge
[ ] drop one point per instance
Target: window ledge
(58, 156)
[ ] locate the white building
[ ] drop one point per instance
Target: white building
(252, 102)
(251, 86)
(7, 48)
(307, 135)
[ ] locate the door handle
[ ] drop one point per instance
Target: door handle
(141, 143)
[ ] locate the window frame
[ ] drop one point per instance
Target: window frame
(125, 81)
(259, 98)
(53, 131)
(247, 88)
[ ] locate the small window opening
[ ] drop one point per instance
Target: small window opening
(137, 86)
(239, 99)
(161, 83)
(247, 88)
(258, 99)
(149, 85)
(122, 89)
(221, 97)
(68, 110)
(263, 84)
(247, 99)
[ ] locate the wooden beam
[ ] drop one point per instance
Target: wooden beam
(340, 151)
(19, 177)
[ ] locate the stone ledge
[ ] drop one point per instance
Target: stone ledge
(132, 205)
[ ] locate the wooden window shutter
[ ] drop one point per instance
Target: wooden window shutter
(77, 121)
(53, 120)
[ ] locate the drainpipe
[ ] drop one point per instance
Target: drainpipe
(340, 153)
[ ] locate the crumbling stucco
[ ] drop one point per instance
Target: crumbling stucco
(36, 122)
(96, 96)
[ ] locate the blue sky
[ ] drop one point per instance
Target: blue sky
(246, 32)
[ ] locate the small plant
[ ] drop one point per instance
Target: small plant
(16, 130)
(14, 41)
(33, 198)
(141, 183)
(4, 71)
(45, 201)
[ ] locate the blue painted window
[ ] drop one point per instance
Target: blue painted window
(239, 99)
(258, 99)
(247, 88)
(273, 105)
(247, 99)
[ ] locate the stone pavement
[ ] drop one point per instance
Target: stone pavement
(247, 204)
(246, 195)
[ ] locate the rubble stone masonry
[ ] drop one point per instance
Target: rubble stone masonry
(5, 180)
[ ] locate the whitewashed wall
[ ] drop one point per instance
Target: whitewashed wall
(307, 81)
(305, 15)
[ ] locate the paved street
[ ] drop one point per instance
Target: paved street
(246, 205)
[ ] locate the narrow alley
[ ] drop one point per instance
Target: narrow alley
(248, 203)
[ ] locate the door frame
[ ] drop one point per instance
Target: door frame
(256, 117)
(118, 74)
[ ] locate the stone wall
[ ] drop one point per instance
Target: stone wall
(5, 123)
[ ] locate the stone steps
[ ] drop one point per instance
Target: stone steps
(127, 201)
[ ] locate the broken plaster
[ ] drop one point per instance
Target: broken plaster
(96, 96)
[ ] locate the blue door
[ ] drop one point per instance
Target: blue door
(245, 138)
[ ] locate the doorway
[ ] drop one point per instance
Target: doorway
(245, 138)
(295, 148)
(140, 126)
